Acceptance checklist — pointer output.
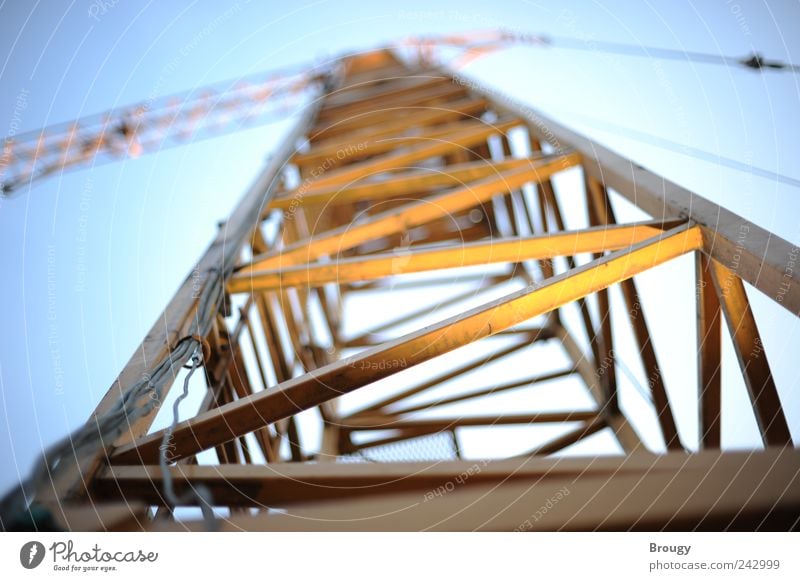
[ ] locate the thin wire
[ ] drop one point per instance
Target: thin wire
(754, 61)
(687, 150)
(91, 435)
(199, 492)
(136, 402)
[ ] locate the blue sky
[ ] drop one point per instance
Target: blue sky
(90, 258)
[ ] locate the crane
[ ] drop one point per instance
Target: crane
(218, 108)
(396, 179)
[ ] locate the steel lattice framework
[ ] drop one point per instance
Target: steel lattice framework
(396, 175)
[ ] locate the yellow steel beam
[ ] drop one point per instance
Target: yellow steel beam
(605, 213)
(371, 121)
(343, 113)
(362, 268)
(709, 354)
(495, 389)
(350, 96)
(312, 389)
(411, 215)
(356, 147)
(397, 185)
(628, 438)
(486, 283)
(373, 136)
(377, 118)
(763, 259)
(470, 135)
(411, 390)
(752, 358)
(411, 116)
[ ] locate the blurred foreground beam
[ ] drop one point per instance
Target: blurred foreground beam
(679, 492)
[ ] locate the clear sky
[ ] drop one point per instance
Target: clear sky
(89, 259)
